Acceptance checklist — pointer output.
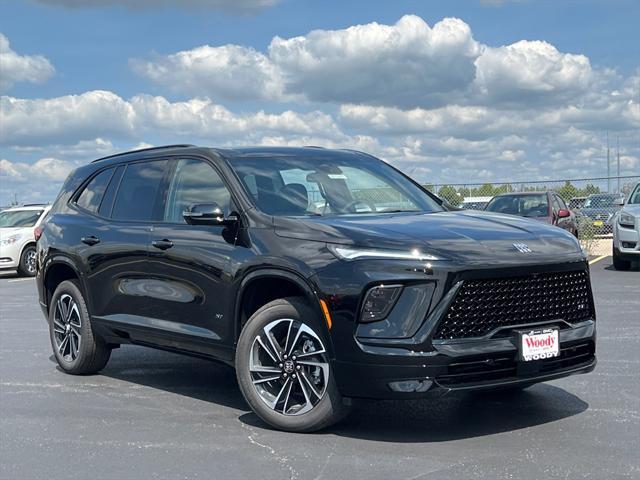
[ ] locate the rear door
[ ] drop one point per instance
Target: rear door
(115, 244)
(191, 289)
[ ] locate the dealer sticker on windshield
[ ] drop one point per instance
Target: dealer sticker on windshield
(539, 344)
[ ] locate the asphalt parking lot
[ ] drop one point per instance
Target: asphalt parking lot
(152, 414)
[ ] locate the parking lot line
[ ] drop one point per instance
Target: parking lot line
(597, 259)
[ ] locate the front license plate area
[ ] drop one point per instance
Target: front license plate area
(534, 345)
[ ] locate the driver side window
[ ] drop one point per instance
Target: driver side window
(194, 182)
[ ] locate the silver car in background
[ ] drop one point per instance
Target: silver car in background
(626, 232)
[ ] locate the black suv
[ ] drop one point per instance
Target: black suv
(320, 275)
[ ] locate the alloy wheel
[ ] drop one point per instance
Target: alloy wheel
(30, 262)
(289, 367)
(66, 327)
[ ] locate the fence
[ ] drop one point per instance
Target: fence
(592, 201)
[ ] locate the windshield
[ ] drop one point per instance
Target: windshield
(600, 201)
(634, 198)
(19, 218)
(331, 185)
(523, 205)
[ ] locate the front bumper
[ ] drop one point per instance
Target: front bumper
(462, 365)
(627, 240)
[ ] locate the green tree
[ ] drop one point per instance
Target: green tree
(568, 191)
(450, 194)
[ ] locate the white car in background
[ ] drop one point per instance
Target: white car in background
(17, 240)
(626, 232)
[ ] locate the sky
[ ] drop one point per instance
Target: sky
(448, 91)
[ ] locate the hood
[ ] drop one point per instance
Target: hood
(601, 211)
(632, 208)
(463, 235)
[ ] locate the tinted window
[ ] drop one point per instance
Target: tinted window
(329, 185)
(19, 218)
(523, 205)
(634, 198)
(110, 192)
(91, 196)
(194, 182)
(140, 195)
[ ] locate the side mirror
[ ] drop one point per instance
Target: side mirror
(619, 202)
(564, 213)
(207, 214)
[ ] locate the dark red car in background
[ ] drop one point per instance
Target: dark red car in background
(548, 207)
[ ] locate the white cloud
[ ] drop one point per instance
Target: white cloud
(16, 68)
(229, 71)
(408, 63)
(100, 114)
(228, 5)
(48, 168)
(535, 70)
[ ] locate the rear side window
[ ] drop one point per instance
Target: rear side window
(90, 198)
(140, 196)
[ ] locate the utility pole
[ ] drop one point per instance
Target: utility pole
(608, 166)
(618, 172)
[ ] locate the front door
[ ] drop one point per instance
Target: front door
(190, 265)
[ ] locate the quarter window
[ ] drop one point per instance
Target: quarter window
(140, 194)
(194, 182)
(91, 196)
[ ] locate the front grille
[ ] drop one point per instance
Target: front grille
(506, 367)
(481, 306)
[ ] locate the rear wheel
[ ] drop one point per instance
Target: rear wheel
(27, 266)
(77, 349)
(618, 262)
(283, 368)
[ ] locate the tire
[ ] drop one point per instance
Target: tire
(619, 263)
(83, 352)
(27, 265)
(281, 319)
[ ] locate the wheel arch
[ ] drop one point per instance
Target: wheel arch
(264, 285)
(56, 271)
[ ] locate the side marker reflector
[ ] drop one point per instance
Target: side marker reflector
(327, 315)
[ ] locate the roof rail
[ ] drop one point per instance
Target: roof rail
(33, 205)
(178, 145)
(313, 146)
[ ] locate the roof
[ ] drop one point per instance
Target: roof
(230, 153)
(507, 194)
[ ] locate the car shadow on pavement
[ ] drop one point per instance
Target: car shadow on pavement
(454, 416)
(179, 374)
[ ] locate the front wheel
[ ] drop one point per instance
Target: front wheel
(283, 368)
(618, 262)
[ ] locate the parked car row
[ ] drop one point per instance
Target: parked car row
(626, 232)
(594, 213)
(17, 240)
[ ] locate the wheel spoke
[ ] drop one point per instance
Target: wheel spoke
(276, 348)
(310, 354)
(266, 379)
(63, 345)
(286, 399)
(284, 386)
(262, 369)
(266, 349)
(311, 387)
(73, 348)
(62, 309)
(304, 391)
(73, 308)
(286, 342)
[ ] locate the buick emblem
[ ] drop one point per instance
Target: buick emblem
(522, 247)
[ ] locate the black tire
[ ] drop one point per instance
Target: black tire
(92, 353)
(619, 263)
(328, 409)
(27, 265)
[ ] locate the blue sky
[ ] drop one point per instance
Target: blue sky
(441, 105)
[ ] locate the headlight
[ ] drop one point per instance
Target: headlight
(5, 242)
(626, 220)
(379, 301)
(354, 253)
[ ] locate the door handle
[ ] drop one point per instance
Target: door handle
(90, 240)
(162, 244)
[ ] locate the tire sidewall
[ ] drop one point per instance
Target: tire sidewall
(327, 408)
(70, 287)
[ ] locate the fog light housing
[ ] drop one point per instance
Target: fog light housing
(411, 386)
(379, 301)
